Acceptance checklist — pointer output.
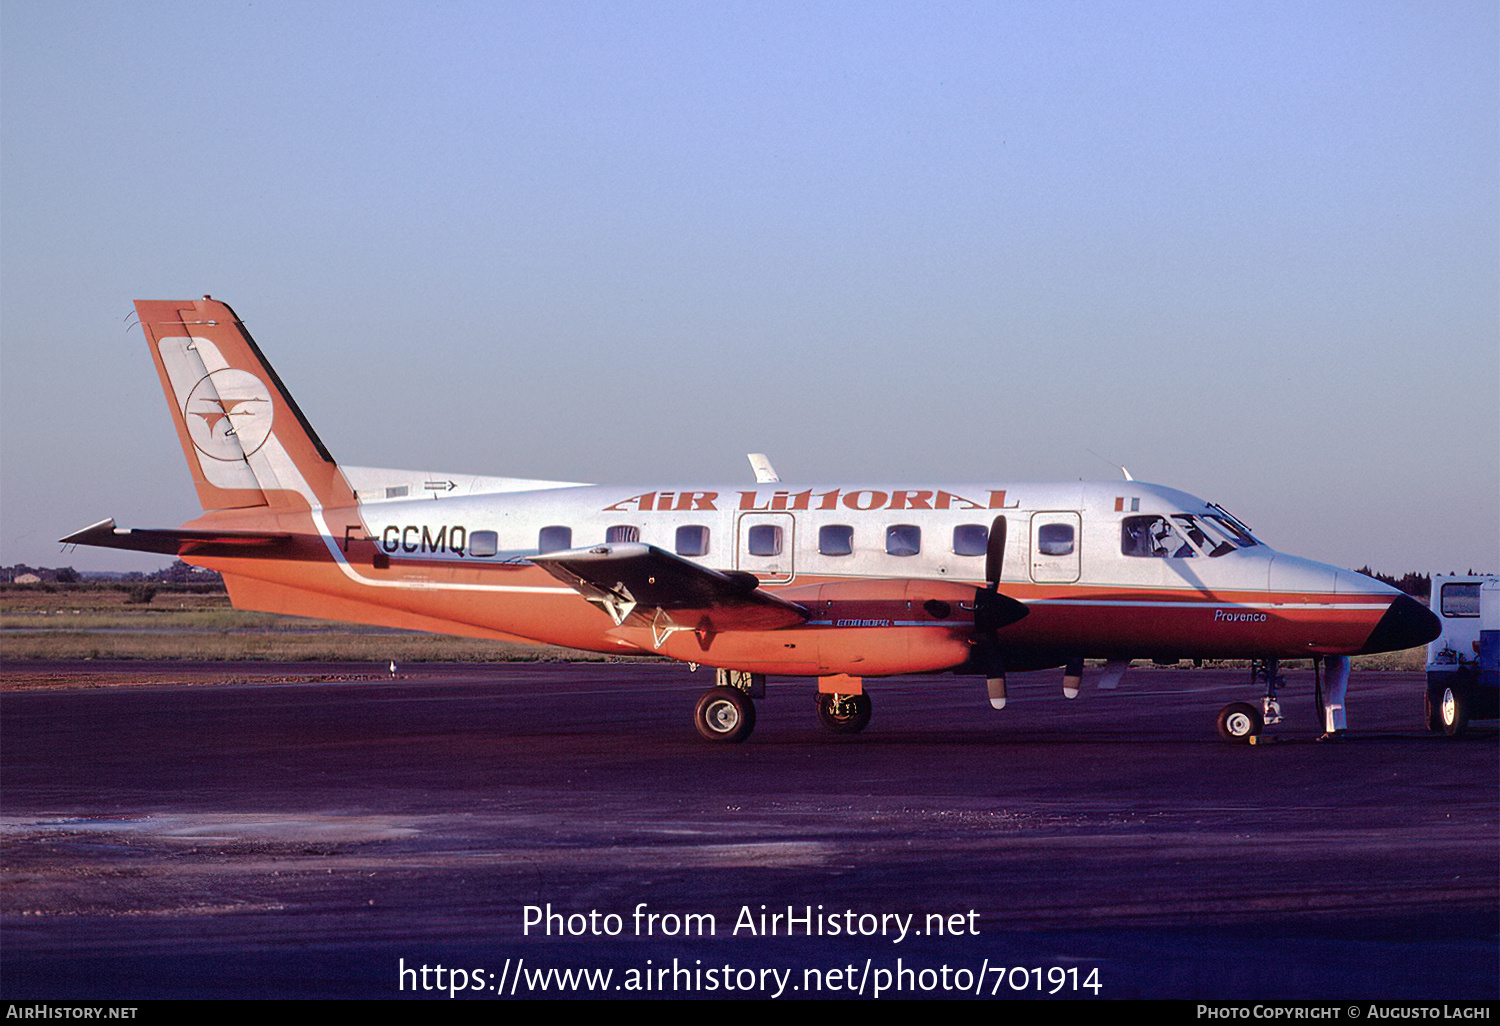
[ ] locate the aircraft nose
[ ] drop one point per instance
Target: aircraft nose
(1406, 624)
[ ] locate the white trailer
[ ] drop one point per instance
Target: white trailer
(1463, 663)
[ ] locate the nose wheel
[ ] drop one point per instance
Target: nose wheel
(1240, 723)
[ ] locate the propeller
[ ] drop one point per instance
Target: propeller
(992, 612)
(1072, 677)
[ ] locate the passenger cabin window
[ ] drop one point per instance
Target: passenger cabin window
(903, 540)
(970, 539)
(765, 540)
(623, 533)
(1460, 599)
(692, 541)
(555, 539)
(836, 540)
(1055, 539)
(483, 543)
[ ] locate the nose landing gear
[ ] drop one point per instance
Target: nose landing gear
(1240, 723)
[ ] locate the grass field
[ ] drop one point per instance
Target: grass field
(102, 622)
(65, 622)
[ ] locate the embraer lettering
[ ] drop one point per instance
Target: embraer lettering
(414, 538)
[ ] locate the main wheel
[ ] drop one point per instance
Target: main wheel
(1451, 709)
(844, 714)
(725, 714)
(1239, 722)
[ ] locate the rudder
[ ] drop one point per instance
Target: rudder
(246, 441)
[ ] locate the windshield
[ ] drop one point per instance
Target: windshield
(1182, 536)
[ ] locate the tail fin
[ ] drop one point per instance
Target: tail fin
(247, 444)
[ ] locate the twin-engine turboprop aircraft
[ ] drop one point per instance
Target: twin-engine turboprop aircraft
(836, 582)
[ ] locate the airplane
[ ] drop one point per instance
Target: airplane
(838, 582)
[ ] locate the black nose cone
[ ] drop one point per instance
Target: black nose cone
(1406, 624)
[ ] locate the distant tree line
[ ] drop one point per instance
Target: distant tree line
(178, 573)
(1414, 584)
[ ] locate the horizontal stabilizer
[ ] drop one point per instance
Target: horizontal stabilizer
(631, 579)
(173, 542)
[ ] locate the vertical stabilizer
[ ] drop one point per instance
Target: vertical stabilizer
(246, 442)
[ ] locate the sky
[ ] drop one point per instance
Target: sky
(1251, 251)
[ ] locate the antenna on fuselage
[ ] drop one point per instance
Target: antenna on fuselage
(764, 472)
(1118, 466)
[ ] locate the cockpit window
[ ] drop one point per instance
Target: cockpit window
(1210, 537)
(1237, 529)
(1149, 536)
(1180, 536)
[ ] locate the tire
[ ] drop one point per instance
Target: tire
(849, 716)
(1239, 722)
(725, 714)
(1451, 707)
(1431, 703)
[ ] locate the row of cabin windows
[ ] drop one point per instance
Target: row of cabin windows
(1181, 536)
(766, 539)
(691, 540)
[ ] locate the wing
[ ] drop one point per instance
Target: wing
(648, 586)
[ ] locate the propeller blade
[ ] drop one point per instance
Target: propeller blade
(992, 611)
(994, 554)
(1073, 677)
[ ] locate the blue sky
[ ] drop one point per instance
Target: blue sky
(1248, 250)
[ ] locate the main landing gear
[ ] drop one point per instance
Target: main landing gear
(844, 714)
(725, 714)
(726, 711)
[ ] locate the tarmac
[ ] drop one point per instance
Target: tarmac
(555, 829)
